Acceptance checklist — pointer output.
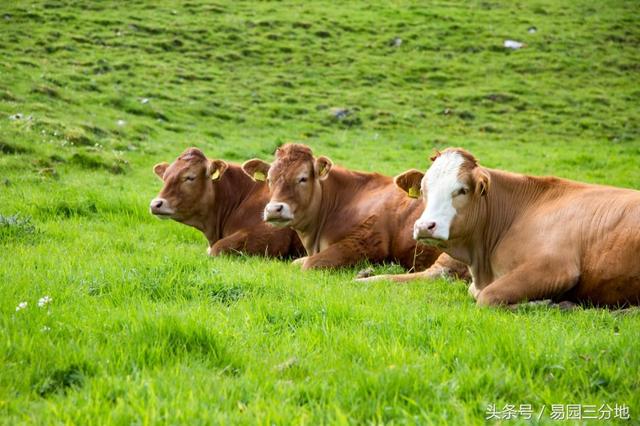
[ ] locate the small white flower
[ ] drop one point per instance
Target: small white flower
(44, 301)
(144, 100)
(21, 306)
(46, 329)
(121, 123)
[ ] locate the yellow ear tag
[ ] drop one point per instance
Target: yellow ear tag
(259, 176)
(215, 175)
(414, 192)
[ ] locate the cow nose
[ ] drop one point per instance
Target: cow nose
(277, 212)
(275, 207)
(161, 208)
(423, 229)
(157, 203)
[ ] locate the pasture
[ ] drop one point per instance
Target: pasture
(143, 328)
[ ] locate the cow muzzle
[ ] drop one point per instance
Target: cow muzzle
(160, 207)
(278, 214)
(427, 231)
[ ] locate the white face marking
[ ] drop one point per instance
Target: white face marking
(439, 183)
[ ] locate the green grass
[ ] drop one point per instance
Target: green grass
(144, 328)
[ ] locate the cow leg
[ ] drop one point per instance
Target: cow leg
(428, 274)
(397, 278)
(541, 279)
(233, 244)
(342, 253)
(445, 266)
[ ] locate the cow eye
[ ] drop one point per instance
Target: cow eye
(302, 179)
(190, 178)
(462, 191)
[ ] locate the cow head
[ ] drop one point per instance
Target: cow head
(294, 182)
(451, 189)
(187, 186)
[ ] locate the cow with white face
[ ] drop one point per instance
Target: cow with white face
(448, 187)
(527, 238)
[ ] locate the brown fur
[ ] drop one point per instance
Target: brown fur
(344, 216)
(293, 152)
(228, 211)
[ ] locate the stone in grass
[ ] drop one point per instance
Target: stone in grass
(395, 42)
(345, 116)
(339, 113)
(514, 45)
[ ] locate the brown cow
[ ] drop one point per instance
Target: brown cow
(528, 238)
(342, 217)
(221, 201)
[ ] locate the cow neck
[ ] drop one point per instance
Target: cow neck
(310, 231)
(336, 192)
(229, 192)
(508, 197)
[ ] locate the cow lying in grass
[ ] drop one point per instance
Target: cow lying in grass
(342, 217)
(221, 201)
(527, 238)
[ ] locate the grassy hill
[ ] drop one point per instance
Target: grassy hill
(144, 328)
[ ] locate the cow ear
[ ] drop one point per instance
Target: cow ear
(409, 182)
(216, 168)
(482, 181)
(322, 167)
(256, 169)
(159, 169)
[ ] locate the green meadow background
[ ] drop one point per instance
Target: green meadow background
(143, 328)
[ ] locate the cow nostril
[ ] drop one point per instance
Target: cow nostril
(158, 204)
(279, 208)
(431, 226)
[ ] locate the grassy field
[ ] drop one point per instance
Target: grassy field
(144, 328)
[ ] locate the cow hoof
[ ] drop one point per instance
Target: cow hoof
(565, 305)
(543, 302)
(300, 261)
(365, 273)
(473, 291)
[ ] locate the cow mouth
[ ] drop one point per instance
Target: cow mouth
(162, 214)
(278, 222)
(432, 242)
